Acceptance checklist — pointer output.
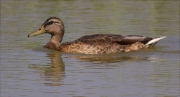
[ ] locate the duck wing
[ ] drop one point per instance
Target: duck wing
(130, 39)
(111, 38)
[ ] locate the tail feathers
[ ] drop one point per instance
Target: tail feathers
(154, 41)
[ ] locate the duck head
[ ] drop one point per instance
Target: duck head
(52, 25)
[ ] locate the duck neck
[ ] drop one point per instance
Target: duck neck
(55, 42)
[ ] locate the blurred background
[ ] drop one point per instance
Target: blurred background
(29, 70)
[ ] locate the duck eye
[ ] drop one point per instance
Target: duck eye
(39, 29)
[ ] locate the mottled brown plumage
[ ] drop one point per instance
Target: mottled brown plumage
(92, 44)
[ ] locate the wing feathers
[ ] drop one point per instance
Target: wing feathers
(110, 38)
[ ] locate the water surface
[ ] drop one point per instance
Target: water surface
(29, 70)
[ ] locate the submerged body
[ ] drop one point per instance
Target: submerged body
(92, 44)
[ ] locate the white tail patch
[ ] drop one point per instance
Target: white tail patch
(155, 40)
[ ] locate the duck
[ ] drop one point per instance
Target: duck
(92, 44)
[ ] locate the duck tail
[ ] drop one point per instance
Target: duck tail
(152, 42)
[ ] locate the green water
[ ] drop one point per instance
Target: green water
(29, 70)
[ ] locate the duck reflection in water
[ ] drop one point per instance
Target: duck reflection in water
(52, 73)
(108, 59)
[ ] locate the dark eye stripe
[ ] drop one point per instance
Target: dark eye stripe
(48, 23)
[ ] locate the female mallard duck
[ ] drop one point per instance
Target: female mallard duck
(92, 44)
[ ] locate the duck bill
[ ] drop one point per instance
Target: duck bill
(37, 32)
